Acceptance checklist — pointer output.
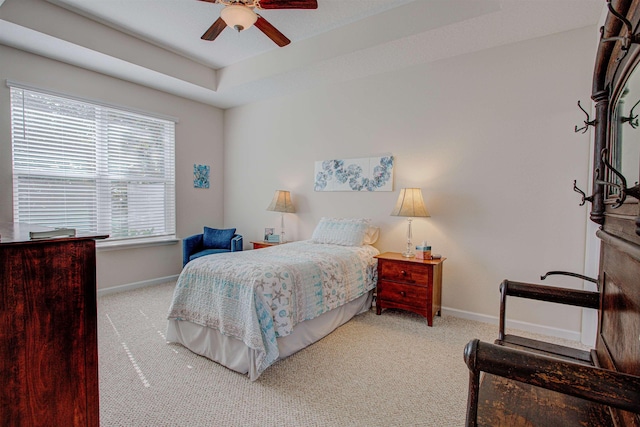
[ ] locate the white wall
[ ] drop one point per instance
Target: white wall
(198, 140)
(488, 137)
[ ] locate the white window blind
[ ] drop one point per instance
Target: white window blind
(91, 167)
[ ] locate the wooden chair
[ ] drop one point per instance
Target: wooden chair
(513, 387)
(519, 381)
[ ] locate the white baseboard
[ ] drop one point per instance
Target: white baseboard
(136, 285)
(515, 324)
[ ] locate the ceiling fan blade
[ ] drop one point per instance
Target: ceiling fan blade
(214, 30)
(288, 4)
(271, 32)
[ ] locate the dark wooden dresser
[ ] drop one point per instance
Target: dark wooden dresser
(48, 330)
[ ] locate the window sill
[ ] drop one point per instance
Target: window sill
(137, 243)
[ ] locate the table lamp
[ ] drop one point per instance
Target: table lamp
(410, 204)
(281, 203)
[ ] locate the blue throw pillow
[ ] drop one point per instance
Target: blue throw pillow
(217, 239)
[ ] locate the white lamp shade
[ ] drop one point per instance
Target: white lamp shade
(410, 204)
(238, 16)
(281, 202)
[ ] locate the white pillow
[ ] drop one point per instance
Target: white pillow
(371, 235)
(341, 231)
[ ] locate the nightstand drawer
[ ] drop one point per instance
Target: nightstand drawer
(401, 293)
(403, 272)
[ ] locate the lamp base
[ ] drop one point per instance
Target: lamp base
(409, 253)
(282, 238)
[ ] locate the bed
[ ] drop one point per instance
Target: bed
(246, 310)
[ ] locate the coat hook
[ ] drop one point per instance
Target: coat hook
(587, 122)
(632, 119)
(584, 196)
(627, 39)
(623, 191)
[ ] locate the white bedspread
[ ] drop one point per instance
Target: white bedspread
(259, 295)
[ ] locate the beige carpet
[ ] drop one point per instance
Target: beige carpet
(388, 370)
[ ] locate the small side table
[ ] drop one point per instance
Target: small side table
(261, 245)
(409, 284)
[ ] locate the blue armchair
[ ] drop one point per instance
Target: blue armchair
(212, 241)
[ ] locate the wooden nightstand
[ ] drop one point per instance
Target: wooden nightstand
(260, 245)
(409, 284)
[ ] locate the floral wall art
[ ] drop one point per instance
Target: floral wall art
(201, 176)
(363, 174)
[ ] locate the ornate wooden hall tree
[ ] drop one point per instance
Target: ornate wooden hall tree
(518, 381)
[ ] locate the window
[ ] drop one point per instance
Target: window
(95, 168)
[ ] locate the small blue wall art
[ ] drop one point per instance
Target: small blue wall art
(201, 176)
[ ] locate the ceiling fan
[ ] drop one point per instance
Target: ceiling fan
(240, 15)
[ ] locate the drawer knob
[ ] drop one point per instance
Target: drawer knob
(404, 273)
(403, 293)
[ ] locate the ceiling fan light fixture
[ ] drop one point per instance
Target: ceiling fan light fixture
(238, 16)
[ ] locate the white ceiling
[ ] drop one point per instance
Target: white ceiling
(339, 41)
(178, 24)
